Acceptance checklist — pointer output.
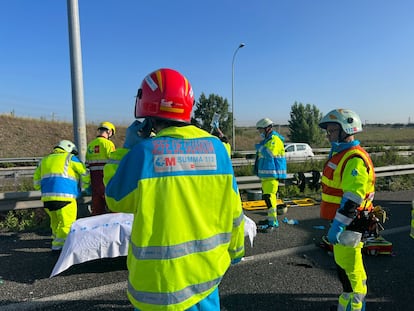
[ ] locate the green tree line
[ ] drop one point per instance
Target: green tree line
(303, 123)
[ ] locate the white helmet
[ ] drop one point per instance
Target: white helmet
(68, 146)
(347, 119)
(263, 123)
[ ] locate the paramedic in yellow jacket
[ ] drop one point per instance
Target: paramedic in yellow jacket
(270, 166)
(347, 192)
(97, 156)
(60, 176)
(188, 221)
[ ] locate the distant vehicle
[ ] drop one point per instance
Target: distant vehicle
(298, 151)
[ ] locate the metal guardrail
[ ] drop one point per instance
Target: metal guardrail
(394, 170)
(317, 151)
(12, 172)
(31, 199)
(26, 200)
(20, 160)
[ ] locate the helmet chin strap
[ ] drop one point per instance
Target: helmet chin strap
(148, 127)
(342, 136)
(268, 130)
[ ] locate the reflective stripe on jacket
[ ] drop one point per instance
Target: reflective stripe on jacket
(98, 153)
(336, 185)
(58, 176)
(270, 157)
(188, 221)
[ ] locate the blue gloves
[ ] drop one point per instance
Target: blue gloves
(216, 124)
(87, 191)
(133, 134)
(335, 231)
(235, 261)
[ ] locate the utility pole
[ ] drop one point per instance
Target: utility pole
(79, 124)
(233, 126)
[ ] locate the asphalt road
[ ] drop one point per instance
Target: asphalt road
(284, 270)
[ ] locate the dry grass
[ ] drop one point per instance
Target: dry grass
(381, 135)
(25, 137)
(387, 135)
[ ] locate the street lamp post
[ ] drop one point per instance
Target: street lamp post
(232, 96)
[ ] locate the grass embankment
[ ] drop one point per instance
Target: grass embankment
(25, 137)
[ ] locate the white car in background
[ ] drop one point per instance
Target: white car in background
(298, 151)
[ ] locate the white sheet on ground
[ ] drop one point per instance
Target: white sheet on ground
(107, 236)
(95, 237)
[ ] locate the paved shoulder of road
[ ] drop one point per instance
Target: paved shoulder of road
(284, 270)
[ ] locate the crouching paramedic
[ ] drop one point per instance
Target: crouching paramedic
(347, 192)
(180, 185)
(60, 177)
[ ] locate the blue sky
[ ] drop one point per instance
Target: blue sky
(356, 54)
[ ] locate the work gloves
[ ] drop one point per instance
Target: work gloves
(335, 231)
(87, 191)
(235, 261)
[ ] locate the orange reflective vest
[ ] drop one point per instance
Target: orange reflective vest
(332, 181)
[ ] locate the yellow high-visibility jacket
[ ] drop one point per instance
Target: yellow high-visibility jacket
(112, 165)
(270, 157)
(228, 148)
(98, 153)
(188, 222)
(60, 176)
(336, 184)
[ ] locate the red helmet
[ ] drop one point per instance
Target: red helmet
(165, 93)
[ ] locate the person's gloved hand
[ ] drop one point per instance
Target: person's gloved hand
(216, 124)
(133, 134)
(87, 191)
(235, 261)
(335, 231)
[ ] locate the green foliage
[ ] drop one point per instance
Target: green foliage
(7, 165)
(238, 155)
(245, 170)
(21, 220)
(394, 183)
(306, 166)
(205, 109)
(377, 148)
(304, 124)
(289, 191)
(389, 157)
(26, 184)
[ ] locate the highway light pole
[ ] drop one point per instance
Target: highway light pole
(78, 106)
(232, 97)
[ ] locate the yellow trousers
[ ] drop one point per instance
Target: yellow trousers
(353, 277)
(269, 189)
(60, 222)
